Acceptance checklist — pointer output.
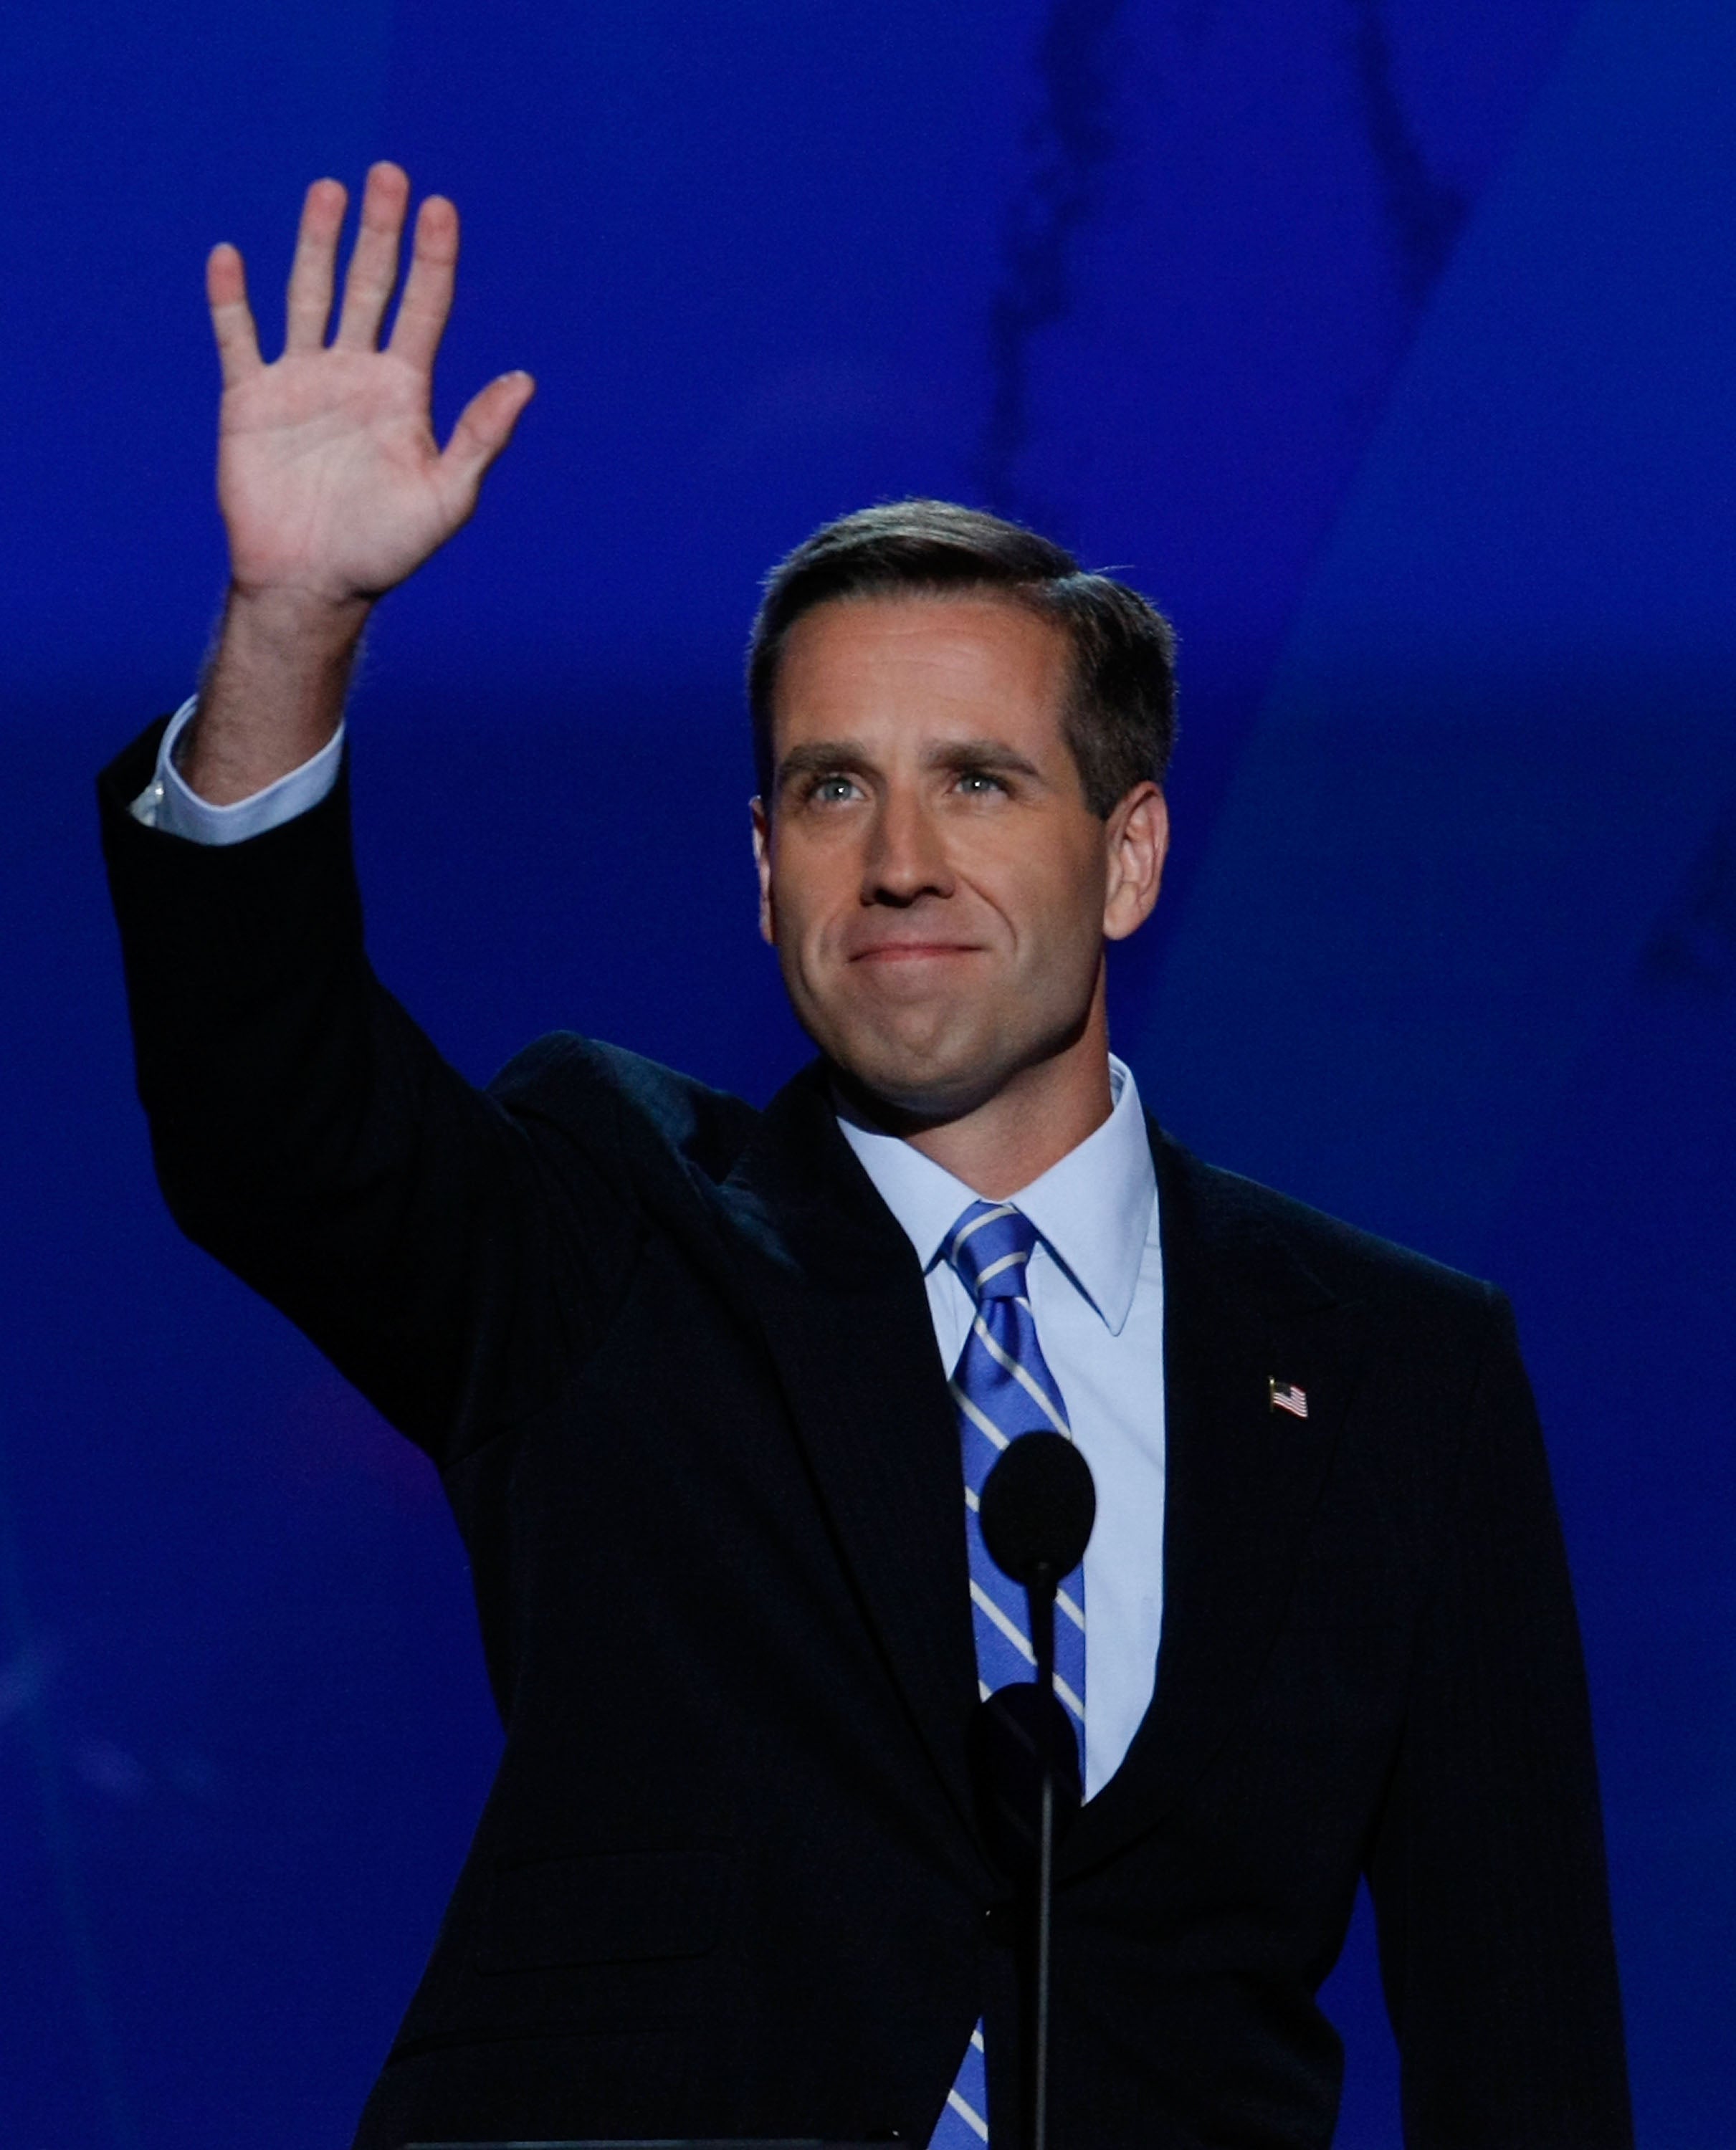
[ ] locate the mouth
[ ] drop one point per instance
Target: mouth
(912, 952)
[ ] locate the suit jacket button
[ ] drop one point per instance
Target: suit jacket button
(1000, 1924)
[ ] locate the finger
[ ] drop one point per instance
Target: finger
(374, 264)
(310, 273)
(484, 428)
(427, 297)
(237, 342)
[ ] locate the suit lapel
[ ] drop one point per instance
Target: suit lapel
(1241, 1478)
(839, 1299)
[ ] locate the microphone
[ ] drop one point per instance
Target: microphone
(1039, 1503)
(1038, 1507)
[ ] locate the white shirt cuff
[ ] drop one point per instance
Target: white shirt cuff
(169, 803)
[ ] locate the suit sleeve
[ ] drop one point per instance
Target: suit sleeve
(307, 1133)
(1487, 1868)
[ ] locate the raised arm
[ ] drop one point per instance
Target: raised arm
(332, 486)
(305, 1131)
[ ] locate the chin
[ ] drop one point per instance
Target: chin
(929, 1083)
(937, 1062)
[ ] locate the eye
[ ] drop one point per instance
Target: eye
(832, 790)
(979, 783)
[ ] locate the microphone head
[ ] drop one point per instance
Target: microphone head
(1038, 1504)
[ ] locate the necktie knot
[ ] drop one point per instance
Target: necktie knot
(989, 1246)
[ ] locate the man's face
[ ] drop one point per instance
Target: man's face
(936, 888)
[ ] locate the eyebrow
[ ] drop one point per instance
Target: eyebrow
(822, 757)
(982, 754)
(819, 757)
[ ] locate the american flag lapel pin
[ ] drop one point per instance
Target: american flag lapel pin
(1286, 1397)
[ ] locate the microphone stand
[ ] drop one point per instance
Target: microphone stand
(1040, 1592)
(1036, 1508)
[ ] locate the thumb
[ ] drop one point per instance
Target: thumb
(484, 428)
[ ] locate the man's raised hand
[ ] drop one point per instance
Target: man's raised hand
(331, 482)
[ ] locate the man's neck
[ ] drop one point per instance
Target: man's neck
(1031, 1122)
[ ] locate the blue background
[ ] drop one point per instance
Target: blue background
(1387, 343)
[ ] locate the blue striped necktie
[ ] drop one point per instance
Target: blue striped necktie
(1002, 1388)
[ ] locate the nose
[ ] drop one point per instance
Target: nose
(906, 858)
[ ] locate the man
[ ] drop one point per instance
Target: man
(677, 1361)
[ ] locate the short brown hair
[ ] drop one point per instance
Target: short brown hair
(1120, 721)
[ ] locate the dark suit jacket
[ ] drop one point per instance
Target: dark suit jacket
(673, 1359)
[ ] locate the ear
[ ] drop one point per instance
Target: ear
(1136, 839)
(762, 866)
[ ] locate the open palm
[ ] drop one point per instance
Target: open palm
(331, 482)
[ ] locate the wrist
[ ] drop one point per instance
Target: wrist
(273, 692)
(298, 627)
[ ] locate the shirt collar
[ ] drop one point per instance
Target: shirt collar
(1092, 1208)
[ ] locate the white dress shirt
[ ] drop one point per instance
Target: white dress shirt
(1097, 1294)
(168, 802)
